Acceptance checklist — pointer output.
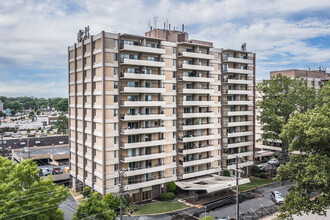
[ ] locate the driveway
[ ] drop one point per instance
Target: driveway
(69, 206)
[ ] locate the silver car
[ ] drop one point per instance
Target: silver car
(44, 172)
(277, 197)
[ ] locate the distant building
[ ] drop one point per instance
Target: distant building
(1, 105)
(315, 78)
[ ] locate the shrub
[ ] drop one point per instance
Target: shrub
(167, 196)
(256, 169)
(171, 186)
(263, 175)
(226, 173)
(86, 192)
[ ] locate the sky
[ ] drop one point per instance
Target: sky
(35, 34)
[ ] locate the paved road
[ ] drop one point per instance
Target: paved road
(69, 206)
(225, 211)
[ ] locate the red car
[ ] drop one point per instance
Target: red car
(57, 170)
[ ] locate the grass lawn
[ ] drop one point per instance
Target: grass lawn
(254, 182)
(82, 200)
(159, 207)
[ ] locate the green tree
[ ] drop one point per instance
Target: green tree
(86, 192)
(38, 112)
(94, 208)
(171, 186)
(62, 105)
(23, 195)
(31, 114)
(283, 97)
(112, 201)
(308, 133)
(62, 124)
(12, 112)
(2, 114)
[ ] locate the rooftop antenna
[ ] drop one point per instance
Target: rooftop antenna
(155, 21)
(166, 22)
(149, 25)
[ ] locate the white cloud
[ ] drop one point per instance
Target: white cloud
(35, 34)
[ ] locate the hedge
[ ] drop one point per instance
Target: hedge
(167, 196)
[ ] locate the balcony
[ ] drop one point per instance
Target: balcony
(152, 182)
(198, 103)
(240, 92)
(197, 91)
(238, 60)
(241, 71)
(195, 150)
(143, 103)
(238, 144)
(195, 67)
(139, 117)
(142, 49)
(237, 113)
(132, 131)
(197, 79)
(250, 103)
(244, 164)
(199, 173)
(143, 157)
(142, 90)
(139, 171)
(197, 115)
(239, 81)
(198, 161)
(196, 126)
(143, 63)
(240, 134)
(142, 76)
(242, 154)
(196, 55)
(240, 123)
(144, 144)
(196, 138)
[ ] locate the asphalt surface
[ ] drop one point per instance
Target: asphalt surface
(263, 198)
(69, 206)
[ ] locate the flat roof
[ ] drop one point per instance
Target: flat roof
(210, 183)
(141, 36)
(37, 151)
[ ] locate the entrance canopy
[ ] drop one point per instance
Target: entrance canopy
(210, 183)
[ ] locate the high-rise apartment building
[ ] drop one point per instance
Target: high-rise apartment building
(160, 106)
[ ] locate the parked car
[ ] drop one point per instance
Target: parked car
(261, 167)
(44, 172)
(43, 135)
(277, 197)
(31, 135)
(274, 161)
(57, 170)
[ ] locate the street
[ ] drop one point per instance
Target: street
(69, 206)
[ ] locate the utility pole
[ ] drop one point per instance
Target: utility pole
(238, 174)
(121, 190)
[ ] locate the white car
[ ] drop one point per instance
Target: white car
(274, 161)
(277, 197)
(261, 167)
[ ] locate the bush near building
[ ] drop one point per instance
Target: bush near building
(171, 186)
(167, 196)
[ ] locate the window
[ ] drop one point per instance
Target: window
(115, 126)
(174, 62)
(115, 112)
(174, 98)
(174, 171)
(116, 181)
(115, 140)
(148, 98)
(174, 146)
(116, 167)
(115, 57)
(115, 43)
(174, 158)
(115, 85)
(174, 123)
(115, 71)
(115, 153)
(115, 97)
(174, 50)
(174, 135)
(94, 152)
(174, 86)
(174, 111)
(174, 74)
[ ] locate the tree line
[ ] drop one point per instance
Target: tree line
(20, 103)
